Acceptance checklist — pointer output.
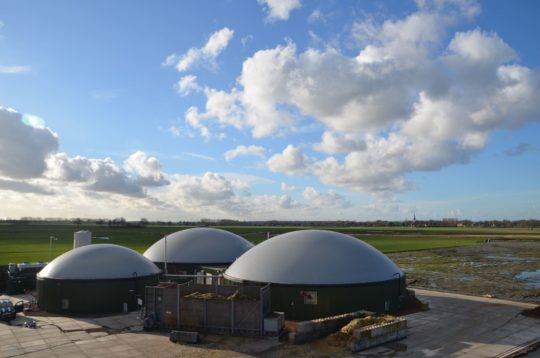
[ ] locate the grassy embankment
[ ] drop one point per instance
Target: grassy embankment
(20, 243)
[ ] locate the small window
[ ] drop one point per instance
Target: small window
(310, 297)
(65, 304)
(386, 306)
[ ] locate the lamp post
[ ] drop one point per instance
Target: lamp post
(51, 238)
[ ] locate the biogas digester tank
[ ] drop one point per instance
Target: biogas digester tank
(95, 278)
(319, 273)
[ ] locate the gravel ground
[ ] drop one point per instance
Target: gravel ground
(505, 269)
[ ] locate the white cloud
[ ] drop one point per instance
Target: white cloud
(24, 147)
(243, 150)
(175, 131)
(316, 15)
(20, 186)
(329, 200)
(101, 175)
(187, 84)
(217, 42)
(222, 107)
(200, 190)
(285, 187)
(12, 70)
(104, 175)
(279, 10)
(333, 143)
(147, 168)
(199, 156)
(410, 100)
(247, 39)
(291, 161)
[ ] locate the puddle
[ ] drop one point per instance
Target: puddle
(504, 257)
(532, 276)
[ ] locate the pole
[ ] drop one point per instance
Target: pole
(166, 272)
(50, 248)
(51, 238)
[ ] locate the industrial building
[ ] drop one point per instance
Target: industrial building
(190, 250)
(21, 277)
(318, 273)
(95, 279)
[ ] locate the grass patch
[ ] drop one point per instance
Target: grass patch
(20, 243)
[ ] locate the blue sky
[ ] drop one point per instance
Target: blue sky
(282, 109)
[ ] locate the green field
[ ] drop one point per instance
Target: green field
(27, 243)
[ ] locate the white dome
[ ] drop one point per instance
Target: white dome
(313, 257)
(200, 245)
(99, 261)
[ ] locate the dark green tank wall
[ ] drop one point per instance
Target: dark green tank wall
(332, 300)
(91, 296)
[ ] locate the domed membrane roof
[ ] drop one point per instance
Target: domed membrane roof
(313, 257)
(99, 261)
(200, 245)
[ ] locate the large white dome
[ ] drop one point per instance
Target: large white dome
(99, 261)
(313, 257)
(199, 246)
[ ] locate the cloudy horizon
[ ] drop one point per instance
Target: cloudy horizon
(287, 110)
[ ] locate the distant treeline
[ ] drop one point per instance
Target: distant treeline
(122, 222)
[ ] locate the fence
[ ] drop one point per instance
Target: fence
(241, 316)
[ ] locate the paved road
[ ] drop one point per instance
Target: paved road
(455, 326)
(463, 326)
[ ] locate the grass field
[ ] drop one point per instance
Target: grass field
(27, 243)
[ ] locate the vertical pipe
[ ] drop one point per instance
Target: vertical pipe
(154, 308)
(232, 316)
(261, 310)
(177, 306)
(166, 272)
(205, 313)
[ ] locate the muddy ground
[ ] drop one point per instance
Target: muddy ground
(505, 269)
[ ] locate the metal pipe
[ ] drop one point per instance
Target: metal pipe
(166, 255)
(193, 276)
(51, 238)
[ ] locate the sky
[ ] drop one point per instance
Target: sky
(270, 109)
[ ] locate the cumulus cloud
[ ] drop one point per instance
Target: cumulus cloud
(333, 143)
(187, 84)
(148, 169)
(206, 189)
(93, 174)
(285, 187)
(240, 150)
(329, 200)
(20, 186)
(104, 175)
(291, 161)
(415, 97)
(24, 147)
(217, 42)
(279, 10)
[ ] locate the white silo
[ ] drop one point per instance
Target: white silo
(82, 238)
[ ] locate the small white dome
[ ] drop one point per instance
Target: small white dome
(99, 261)
(313, 257)
(200, 245)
